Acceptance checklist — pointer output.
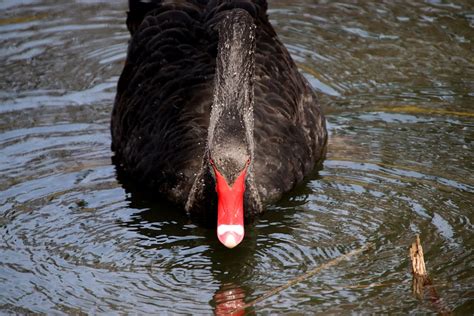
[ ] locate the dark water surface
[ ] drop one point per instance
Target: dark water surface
(397, 81)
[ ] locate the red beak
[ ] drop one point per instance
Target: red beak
(230, 209)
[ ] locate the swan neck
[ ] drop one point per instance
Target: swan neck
(235, 64)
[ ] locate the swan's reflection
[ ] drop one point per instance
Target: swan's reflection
(229, 299)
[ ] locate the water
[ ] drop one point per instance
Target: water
(397, 82)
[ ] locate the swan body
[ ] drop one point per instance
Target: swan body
(211, 111)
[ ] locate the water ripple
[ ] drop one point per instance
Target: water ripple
(394, 81)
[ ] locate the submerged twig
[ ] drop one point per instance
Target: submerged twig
(421, 279)
(302, 278)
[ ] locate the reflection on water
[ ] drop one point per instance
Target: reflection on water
(396, 80)
(229, 300)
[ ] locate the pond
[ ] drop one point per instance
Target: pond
(396, 80)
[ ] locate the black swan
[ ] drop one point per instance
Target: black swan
(211, 111)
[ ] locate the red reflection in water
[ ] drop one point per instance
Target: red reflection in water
(229, 298)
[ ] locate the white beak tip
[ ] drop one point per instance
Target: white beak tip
(230, 235)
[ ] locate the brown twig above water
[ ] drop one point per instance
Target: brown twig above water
(421, 279)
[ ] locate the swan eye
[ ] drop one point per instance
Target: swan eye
(213, 163)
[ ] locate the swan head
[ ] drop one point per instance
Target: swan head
(230, 156)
